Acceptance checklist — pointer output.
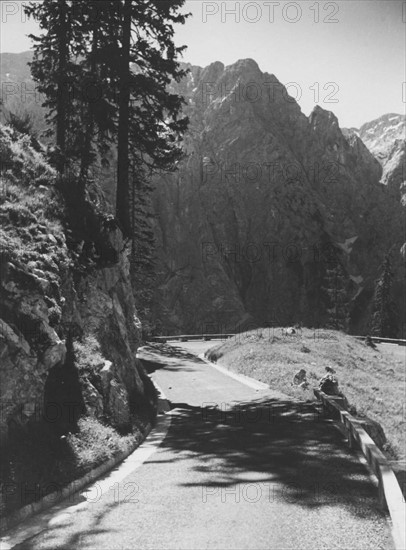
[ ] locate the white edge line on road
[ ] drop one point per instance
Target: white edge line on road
(250, 382)
(60, 513)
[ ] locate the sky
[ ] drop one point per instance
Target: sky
(348, 56)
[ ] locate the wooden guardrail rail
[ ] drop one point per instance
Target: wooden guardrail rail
(389, 491)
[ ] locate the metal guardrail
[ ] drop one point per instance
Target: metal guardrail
(389, 492)
(188, 337)
(380, 340)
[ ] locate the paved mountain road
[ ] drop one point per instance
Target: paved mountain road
(258, 471)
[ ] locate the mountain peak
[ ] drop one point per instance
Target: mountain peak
(212, 72)
(320, 117)
(246, 64)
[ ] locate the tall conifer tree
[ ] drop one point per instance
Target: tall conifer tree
(127, 52)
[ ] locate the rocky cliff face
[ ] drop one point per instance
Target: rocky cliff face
(385, 137)
(273, 217)
(57, 287)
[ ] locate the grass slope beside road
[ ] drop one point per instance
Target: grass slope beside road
(39, 461)
(372, 381)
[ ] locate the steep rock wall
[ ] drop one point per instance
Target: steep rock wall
(54, 286)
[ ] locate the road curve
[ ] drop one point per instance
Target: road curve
(239, 468)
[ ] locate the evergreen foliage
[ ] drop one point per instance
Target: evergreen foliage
(385, 318)
(104, 68)
(143, 264)
(20, 122)
(335, 289)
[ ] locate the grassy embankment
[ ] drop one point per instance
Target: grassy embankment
(372, 381)
(40, 462)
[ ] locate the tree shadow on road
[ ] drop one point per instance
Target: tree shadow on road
(76, 539)
(169, 351)
(285, 444)
(283, 447)
(158, 356)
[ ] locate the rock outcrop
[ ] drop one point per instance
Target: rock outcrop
(271, 215)
(373, 429)
(300, 379)
(56, 285)
(329, 385)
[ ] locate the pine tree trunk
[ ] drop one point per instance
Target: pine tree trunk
(123, 195)
(63, 92)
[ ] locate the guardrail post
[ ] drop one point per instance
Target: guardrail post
(381, 493)
(351, 441)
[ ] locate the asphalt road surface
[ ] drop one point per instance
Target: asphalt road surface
(229, 466)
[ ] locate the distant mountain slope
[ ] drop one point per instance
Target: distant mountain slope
(14, 66)
(385, 137)
(18, 90)
(242, 224)
(380, 134)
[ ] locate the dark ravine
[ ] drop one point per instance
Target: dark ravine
(267, 206)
